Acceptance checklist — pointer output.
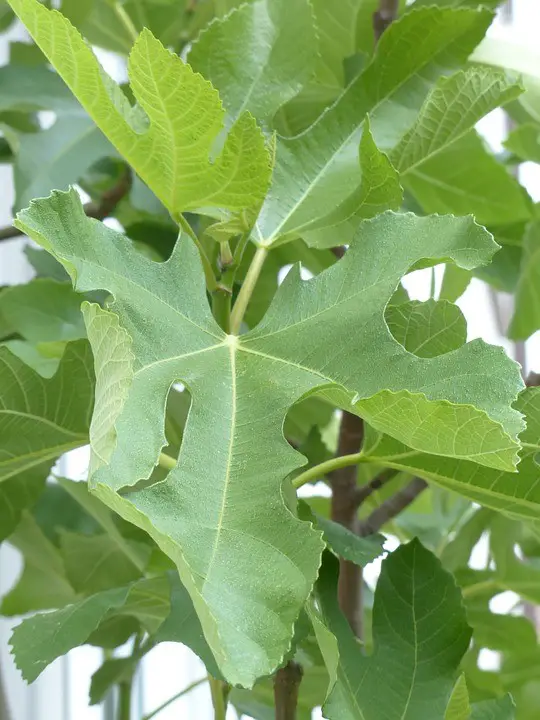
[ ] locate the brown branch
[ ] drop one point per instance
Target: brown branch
(362, 493)
(286, 686)
(384, 16)
(391, 507)
(344, 507)
(104, 208)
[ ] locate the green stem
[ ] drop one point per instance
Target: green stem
(126, 21)
(124, 700)
(479, 588)
(432, 284)
(221, 307)
(166, 461)
(176, 697)
(247, 289)
(218, 692)
(211, 283)
(326, 467)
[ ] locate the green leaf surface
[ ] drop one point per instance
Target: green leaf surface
(524, 142)
(465, 178)
(17, 494)
(248, 57)
(162, 331)
(317, 170)
(458, 705)
(427, 329)
(111, 673)
(168, 138)
(43, 583)
(526, 319)
(379, 190)
(460, 709)
(452, 108)
(182, 625)
(43, 310)
(455, 282)
(38, 641)
(515, 494)
(42, 419)
(419, 655)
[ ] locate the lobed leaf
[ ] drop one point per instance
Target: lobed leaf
(169, 137)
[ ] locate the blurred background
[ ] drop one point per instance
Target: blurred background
(62, 690)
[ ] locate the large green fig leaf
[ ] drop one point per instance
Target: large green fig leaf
(514, 494)
(248, 55)
(220, 514)
(169, 136)
(420, 634)
(42, 419)
(315, 171)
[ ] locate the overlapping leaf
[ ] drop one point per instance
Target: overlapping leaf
(247, 55)
(42, 419)
(317, 170)
(169, 137)
(515, 494)
(161, 331)
(420, 654)
(526, 318)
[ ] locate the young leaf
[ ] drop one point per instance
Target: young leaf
(17, 494)
(517, 495)
(42, 419)
(317, 170)
(452, 108)
(169, 137)
(526, 319)
(163, 332)
(460, 709)
(420, 634)
(248, 57)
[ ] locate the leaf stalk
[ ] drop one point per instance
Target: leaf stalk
(176, 697)
(246, 291)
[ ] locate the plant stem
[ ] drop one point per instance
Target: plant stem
(247, 289)
(124, 700)
(126, 21)
(344, 511)
(392, 507)
(384, 16)
(286, 686)
(219, 692)
(166, 461)
(221, 307)
(211, 283)
(176, 697)
(326, 467)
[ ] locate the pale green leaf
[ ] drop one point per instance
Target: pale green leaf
(43, 310)
(526, 319)
(160, 330)
(455, 282)
(317, 170)
(420, 634)
(458, 706)
(452, 108)
(258, 56)
(515, 494)
(379, 190)
(464, 178)
(43, 583)
(57, 157)
(42, 419)
(38, 641)
(427, 329)
(169, 137)
(111, 673)
(524, 142)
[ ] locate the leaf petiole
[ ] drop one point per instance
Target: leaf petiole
(211, 283)
(176, 697)
(247, 289)
(126, 21)
(326, 467)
